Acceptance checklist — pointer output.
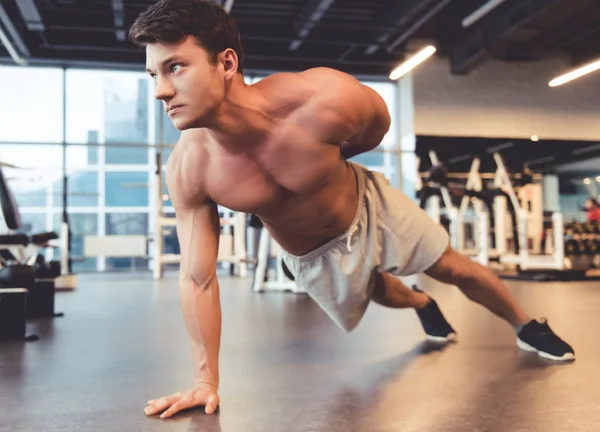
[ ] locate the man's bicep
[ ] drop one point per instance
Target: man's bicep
(198, 230)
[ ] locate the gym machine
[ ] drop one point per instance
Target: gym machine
(27, 288)
(527, 204)
(436, 187)
(529, 241)
(271, 273)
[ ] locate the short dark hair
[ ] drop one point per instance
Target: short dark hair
(171, 21)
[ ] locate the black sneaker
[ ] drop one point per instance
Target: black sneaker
(435, 325)
(539, 338)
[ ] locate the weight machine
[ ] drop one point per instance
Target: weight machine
(457, 217)
(280, 279)
(527, 204)
(526, 223)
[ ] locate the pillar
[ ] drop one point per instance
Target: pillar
(407, 140)
(550, 193)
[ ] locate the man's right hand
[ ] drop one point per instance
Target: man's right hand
(200, 395)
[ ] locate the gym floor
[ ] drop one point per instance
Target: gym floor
(286, 368)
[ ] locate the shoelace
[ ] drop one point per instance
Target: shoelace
(546, 331)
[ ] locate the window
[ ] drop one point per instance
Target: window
(388, 92)
(166, 133)
(372, 159)
(409, 173)
(33, 223)
(126, 155)
(126, 224)
(126, 189)
(32, 109)
(165, 192)
(109, 107)
(385, 162)
(165, 153)
(37, 167)
(82, 188)
(80, 225)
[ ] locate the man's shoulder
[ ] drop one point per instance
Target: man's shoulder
(310, 80)
(188, 148)
(306, 93)
(187, 157)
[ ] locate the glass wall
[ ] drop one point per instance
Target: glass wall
(112, 129)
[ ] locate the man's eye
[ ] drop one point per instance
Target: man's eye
(175, 68)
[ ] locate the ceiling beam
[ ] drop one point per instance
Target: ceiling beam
(119, 19)
(307, 19)
(228, 5)
(405, 17)
(31, 15)
(247, 37)
(11, 39)
(480, 45)
(406, 34)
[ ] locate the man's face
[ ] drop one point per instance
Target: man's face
(189, 85)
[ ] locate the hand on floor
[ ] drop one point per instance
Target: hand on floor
(201, 395)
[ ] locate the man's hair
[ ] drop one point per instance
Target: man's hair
(171, 21)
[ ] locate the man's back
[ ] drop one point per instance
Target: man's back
(289, 170)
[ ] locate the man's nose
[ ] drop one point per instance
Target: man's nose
(164, 90)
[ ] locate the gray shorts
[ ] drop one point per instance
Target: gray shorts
(390, 233)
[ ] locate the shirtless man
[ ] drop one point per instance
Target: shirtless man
(279, 149)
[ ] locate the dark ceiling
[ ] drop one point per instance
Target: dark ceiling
(362, 37)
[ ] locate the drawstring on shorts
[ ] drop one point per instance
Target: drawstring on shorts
(349, 237)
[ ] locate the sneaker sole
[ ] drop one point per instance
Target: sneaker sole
(443, 339)
(526, 347)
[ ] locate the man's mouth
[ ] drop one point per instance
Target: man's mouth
(173, 109)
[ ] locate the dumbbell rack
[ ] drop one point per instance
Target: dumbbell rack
(582, 245)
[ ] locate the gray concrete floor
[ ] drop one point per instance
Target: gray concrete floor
(286, 368)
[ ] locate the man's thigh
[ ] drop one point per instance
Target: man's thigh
(410, 241)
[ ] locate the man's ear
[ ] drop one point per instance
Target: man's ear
(229, 60)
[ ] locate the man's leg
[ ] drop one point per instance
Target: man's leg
(480, 285)
(389, 291)
(484, 287)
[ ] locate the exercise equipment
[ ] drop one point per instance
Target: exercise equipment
(436, 187)
(527, 204)
(14, 301)
(36, 242)
(271, 273)
(13, 315)
(523, 238)
(20, 268)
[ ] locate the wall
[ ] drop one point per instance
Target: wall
(507, 100)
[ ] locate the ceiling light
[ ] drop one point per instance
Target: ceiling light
(535, 138)
(577, 73)
(587, 181)
(413, 62)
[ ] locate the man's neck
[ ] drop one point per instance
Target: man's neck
(241, 115)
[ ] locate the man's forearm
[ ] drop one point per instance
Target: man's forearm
(201, 309)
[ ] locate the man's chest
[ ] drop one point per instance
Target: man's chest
(287, 163)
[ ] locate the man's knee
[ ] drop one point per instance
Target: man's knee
(452, 268)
